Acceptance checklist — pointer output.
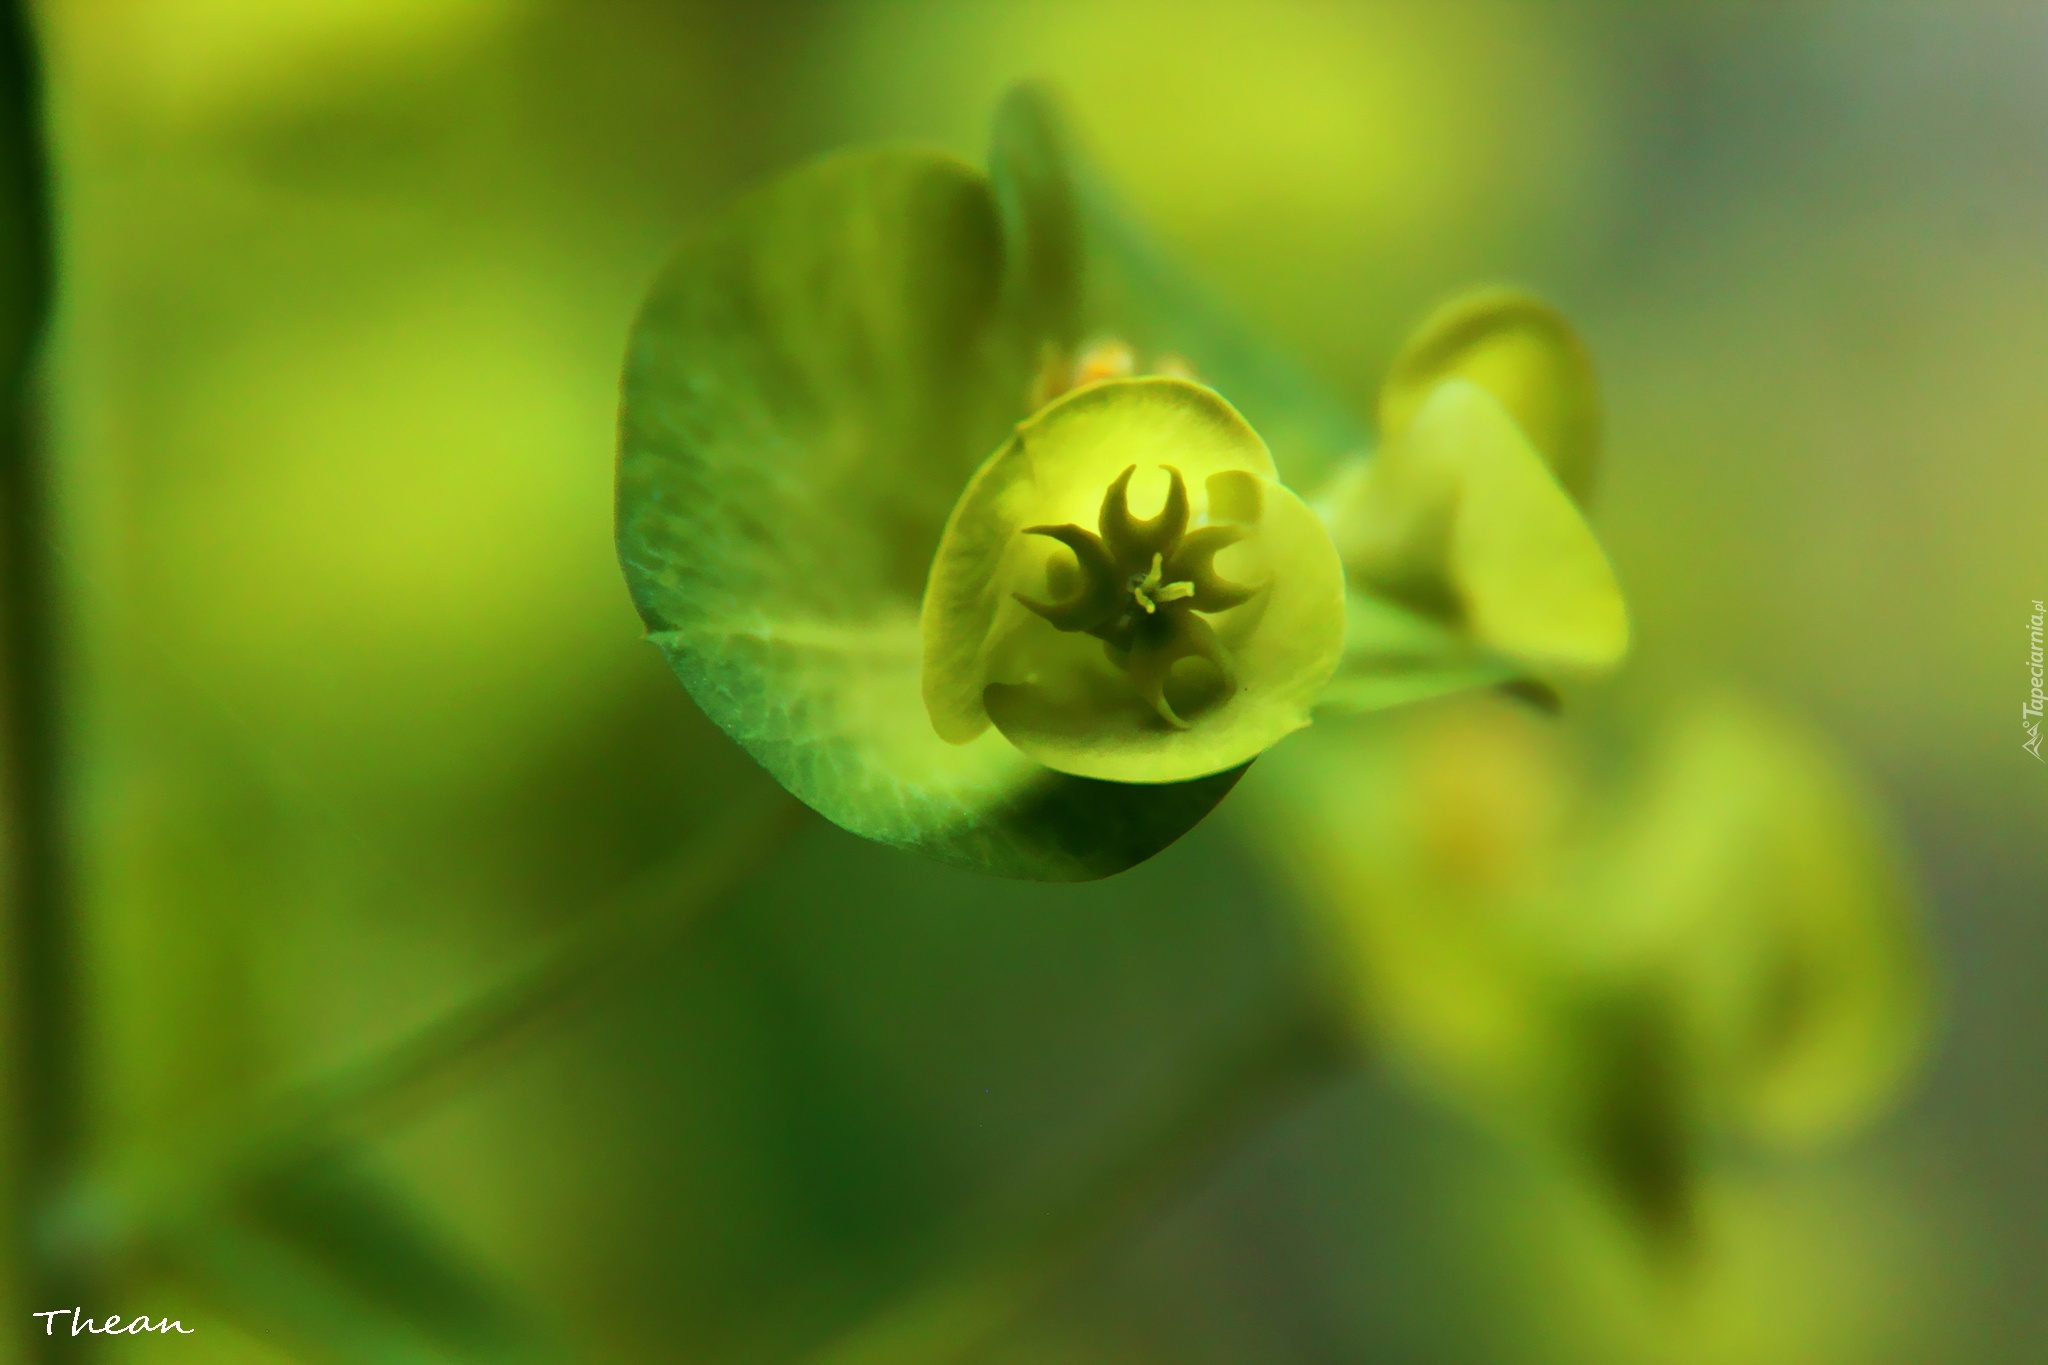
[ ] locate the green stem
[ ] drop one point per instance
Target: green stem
(42, 932)
(983, 1291)
(187, 1179)
(656, 910)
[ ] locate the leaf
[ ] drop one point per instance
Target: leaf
(1624, 1105)
(1414, 845)
(1470, 564)
(1037, 203)
(1129, 290)
(1435, 857)
(24, 210)
(1523, 352)
(1394, 656)
(809, 388)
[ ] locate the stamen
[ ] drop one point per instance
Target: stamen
(1145, 586)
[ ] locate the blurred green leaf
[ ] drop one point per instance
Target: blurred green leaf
(1003, 1261)
(24, 262)
(1621, 1099)
(1045, 257)
(273, 1208)
(1129, 290)
(810, 386)
(1394, 656)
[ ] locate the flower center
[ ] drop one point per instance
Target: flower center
(1150, 589)
(1142, 585)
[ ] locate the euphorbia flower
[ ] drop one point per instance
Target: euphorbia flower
(1113, 645)
(968, 587)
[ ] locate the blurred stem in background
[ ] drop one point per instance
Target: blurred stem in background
(612, 939)
(979, 1293)
(48, 1096)
(41, 928)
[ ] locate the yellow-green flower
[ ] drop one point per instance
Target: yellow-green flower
(1134, 648)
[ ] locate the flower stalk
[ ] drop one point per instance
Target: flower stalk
(42, 933)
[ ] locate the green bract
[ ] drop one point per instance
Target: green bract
(1460, 519)
(1523, 352)
(811, 384)
(1133, 649)
(1469, 556)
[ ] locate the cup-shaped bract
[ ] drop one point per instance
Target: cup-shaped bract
(1523, 352)
(1464, 536)
(1110, 640)
(1459, 517)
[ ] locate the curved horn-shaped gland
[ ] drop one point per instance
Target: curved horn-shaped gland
(1133, 542)
(1191, 641)
(1152, 657)
(1096, 601)
(1194, 563)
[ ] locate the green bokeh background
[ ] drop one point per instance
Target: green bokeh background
(362, 712)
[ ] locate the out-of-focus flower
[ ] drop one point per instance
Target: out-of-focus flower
(1723, 945)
